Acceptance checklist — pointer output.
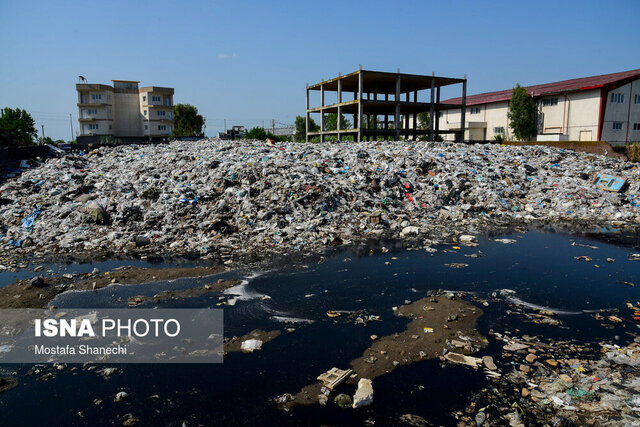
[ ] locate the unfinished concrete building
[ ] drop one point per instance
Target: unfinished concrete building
(382, 105)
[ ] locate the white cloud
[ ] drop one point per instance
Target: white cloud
(225, 56)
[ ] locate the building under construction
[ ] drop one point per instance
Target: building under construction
(382, 105)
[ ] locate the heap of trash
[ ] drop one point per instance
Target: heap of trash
(232, 199)
(561, 383)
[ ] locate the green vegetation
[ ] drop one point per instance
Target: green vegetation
(499, 138)
(301, 128)
(17, 128)
(522, 114)
(423, 120)
(633, 152)
(331, 122)
(187, 121)
(261, 134)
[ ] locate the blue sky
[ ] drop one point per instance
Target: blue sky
(248, 61)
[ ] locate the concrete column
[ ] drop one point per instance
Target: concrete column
(463, 109)
(437, 112)
(397, 114)
(360, 86)
(431, 111)
(307, 121)
(339, 119)
(322, 113)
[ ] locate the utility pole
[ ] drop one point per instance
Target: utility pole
(225, 125)
(42, 133)
(273, 126)
(71, 124)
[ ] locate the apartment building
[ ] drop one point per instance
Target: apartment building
(598, 108)
(124, 111)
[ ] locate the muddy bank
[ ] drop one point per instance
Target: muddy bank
(235, 344)
(438, 323)
(38, 291)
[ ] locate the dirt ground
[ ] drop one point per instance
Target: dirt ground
(411, 345)
(22, 294)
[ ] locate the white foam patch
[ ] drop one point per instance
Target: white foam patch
(518, 301)
(286, 319)
(241, 293)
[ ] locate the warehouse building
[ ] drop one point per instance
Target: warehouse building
(599, 108)
(124, 112)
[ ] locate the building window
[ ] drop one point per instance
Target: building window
(497, 130)
(162, 127)
(96, 96)
(156, 99)
(161, 113)
(93, 111)
(474, 110)
(146, 127)
(617, 98)
(636, 99)
(110, 127)
(549, 102)
(636, 126)
(145, 112)
(93, 127)
(617, 125)
(169, 129)
(144, 97)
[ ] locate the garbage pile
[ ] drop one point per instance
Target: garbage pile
(561, 383)
(234, 199)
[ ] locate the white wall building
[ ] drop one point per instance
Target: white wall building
(124, 111)
(599, 108)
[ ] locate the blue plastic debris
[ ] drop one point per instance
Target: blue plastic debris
(31, 219)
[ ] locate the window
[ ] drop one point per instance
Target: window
(549, 102)
(93, 127)
(161, 113)
(474, 110)
(162, 127)
(144, 97)
(96, 96)
(169, 115)
(498, 129)
(145, 112)
(617, 98)
(636, 99)
(93, 111)
(146, 127)
(617, 125)
(636, 126)
(156, 99)
(110, 127)
(169, 129)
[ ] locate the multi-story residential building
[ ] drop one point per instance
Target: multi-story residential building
(599, 108)
(124, 111)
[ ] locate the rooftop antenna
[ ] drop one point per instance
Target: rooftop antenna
(360, 66)
(82, 79)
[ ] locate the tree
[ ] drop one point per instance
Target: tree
(331, 122)
(423, 120)
(301, 128)
(522, 114)
(257, 133)
(187, 121)
(17, 128)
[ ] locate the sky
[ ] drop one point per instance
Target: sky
(248, 61)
